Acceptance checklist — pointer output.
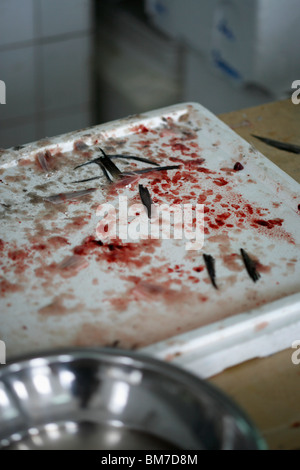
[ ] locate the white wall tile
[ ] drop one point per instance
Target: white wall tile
(66, 71)
(63, 123)
(16, 21)
(23, 133)
(64, 16)
(17, 71)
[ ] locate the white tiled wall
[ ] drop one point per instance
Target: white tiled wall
(75, 119)
(17, 71)
(64, 67)
(64, 16)
(17, 134)
(16, 21)
(45, 62)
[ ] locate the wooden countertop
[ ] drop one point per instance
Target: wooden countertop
(268, 389)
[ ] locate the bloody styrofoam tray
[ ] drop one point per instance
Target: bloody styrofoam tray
(62, 286)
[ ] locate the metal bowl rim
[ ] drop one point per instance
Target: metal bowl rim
(136, 360)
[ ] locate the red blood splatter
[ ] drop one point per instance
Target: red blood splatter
(220, 181)
(199, 269)
(262, 268)
(57, 307)
(213, 226)
(140, 128)
(7, 287)
(77, 222)
(188, 163)
(233, 262)
(207, 171)
(191, 165)
(269, 223)
(57, 241)
(176, 177)
(227, 170)
(131, 254)
(238, 166)
(144, 144)
(154, 290)
(120, 304)
(19, 258)
(71, 265)
(176, 146)
(194, 144)
(224, 215)
(240, 214)
(39, 247)
(249, 208)
(128, 253)
(24, 162)
(89, 244)
(220, 222)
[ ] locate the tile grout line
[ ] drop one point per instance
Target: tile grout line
(45, 40)
(65, 111)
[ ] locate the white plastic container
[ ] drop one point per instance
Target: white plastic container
(60, 288)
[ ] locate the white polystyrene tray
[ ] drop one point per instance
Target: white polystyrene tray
(148, 296)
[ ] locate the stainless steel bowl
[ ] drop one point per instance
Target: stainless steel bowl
(114, 399)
